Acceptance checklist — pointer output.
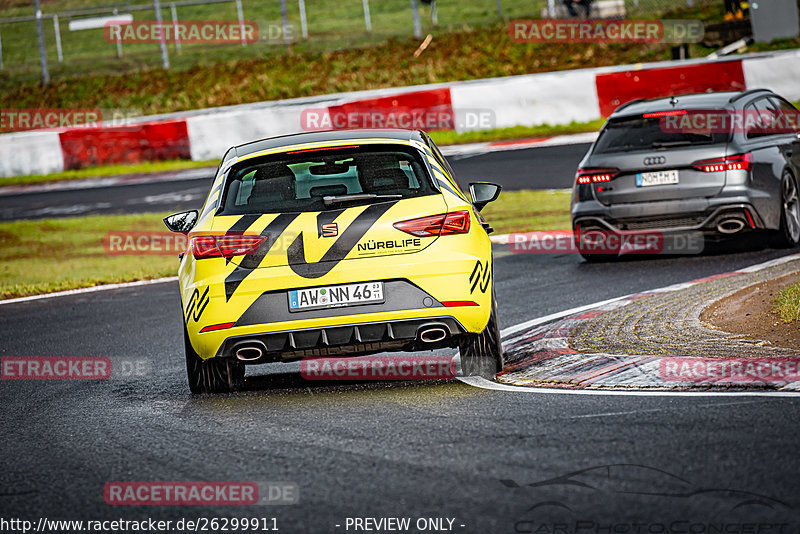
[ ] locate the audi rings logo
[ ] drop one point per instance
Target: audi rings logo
(655, 160)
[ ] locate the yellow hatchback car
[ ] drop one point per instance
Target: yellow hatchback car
(335, 244)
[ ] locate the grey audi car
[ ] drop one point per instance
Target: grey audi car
(718, 163)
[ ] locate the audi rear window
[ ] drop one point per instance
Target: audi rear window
(322, 179)
(629, 134)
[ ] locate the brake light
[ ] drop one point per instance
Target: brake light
(442, 224)
(321, 149)
(458, 303)
(740, 162)
(215, 327)
(595, 176)
(670, 113)
(224, 246)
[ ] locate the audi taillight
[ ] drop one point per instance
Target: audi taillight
(453, 223)
(739, 162)
(224, 246)
(595, 176)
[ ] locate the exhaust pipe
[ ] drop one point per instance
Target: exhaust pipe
(432, 334)
(730, 226)
(250, 351)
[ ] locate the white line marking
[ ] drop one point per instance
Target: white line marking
(92, 289)
(480, 382)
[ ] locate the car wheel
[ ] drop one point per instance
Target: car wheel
(482, 354)
(217, 375)
(790, 212)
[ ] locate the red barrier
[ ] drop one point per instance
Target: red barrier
(616, 88)
(428, 110)
(84, 147)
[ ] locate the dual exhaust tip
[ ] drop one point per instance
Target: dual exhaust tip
(432, 334)
(250, 351)
(730, 226)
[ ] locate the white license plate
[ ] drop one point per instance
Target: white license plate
(645, 179)
(316, 298)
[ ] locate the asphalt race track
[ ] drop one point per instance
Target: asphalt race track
(554, 169)
(598, 464)
(398, 449)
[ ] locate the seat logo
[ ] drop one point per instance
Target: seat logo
(330, 230)
(655, 160)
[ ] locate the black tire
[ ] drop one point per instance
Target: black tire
(482, 354)
(789, 233)
(217, 375)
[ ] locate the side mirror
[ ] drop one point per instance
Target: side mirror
(483, 192)
(181, 222)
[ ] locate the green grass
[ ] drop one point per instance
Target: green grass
(104, 171)
(48, 255)
(787, 305)
(461, 54)
(525, 211)
(332, 25)
(43, 256)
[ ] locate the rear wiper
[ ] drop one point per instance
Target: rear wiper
(341, 199)
(668, 144)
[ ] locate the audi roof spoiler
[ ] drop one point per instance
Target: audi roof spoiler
(749, 92)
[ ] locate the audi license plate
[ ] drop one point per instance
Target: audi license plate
(645, 179)
(317, 298)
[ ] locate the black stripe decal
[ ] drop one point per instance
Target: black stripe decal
(272, 232)
(340, 248)
(241, 226)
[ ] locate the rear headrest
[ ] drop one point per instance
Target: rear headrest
(384, 179)
(271, 181)
(328, 190)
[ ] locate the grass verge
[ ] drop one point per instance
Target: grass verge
(42, 256)
(526, 211)
(47, 255)
(787, 305)
(105, 171)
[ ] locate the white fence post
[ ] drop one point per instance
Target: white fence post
(417, 22)
(57, 31)
(303, 22)
(240, 16)
(367, 17)
(174, 12)
(163, 41)
(40, 37)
